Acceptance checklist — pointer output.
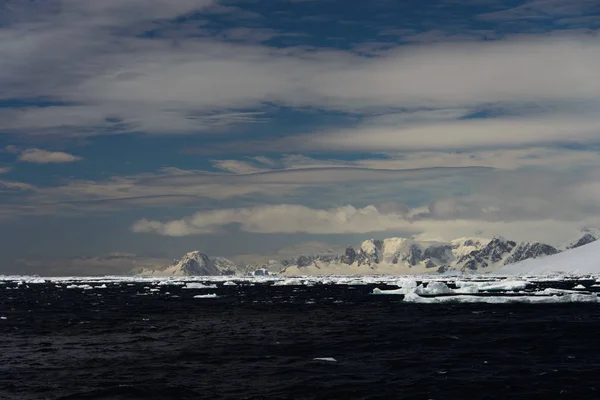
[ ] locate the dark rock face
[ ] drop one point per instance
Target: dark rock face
(493, 252)
(525, 251)
(363, 258)
(374, 258)
(303, 261)
(414, 256)
(349, 256)
(585, 239)
(442, 253)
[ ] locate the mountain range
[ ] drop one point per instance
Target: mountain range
(391, 255)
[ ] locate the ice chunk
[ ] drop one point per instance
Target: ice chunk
(487, 286)
(567, 298)
(328, 359)
(83, 287)
(229, 283)
(580, 287)
(198, 285)
(206, 296)
(406, 286)
(292, 282)
(434, 288)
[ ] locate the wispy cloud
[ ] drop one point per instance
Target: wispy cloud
(5, 170)
(496, 132)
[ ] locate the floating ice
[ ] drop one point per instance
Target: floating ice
(198, 285)
(494, 286)
(434, 288)
(84, 287)
(206, 296)
(328, 359)
(566, 298)
(229, 283)
(290, 282)
(580, 287)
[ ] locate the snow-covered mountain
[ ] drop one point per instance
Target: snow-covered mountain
(578, 260)
(409, 256)
(195, 263)
(404, 255)
(388, 256)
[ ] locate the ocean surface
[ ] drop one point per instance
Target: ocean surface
(112, 338)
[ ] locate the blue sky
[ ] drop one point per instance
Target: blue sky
(143, 129)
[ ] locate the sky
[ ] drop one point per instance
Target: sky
(134, 131)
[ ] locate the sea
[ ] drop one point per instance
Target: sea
(299, 338)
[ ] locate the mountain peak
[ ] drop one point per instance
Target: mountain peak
(196, 263)
(589, 236)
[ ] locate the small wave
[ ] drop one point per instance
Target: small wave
(130, 392)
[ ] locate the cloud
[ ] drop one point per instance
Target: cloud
(279, 219)
(543, 10)
(172, 186)
(5, 170)
(440, 223)
(547, 157)
(119, 81)
(39, 156)
(411, 177)
(457, 134)
(11, 149)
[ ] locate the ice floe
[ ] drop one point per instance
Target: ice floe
(416, 289)
(206, 296)
(198, 285)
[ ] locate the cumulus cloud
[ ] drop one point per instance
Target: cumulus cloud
(440, 223)
(39, 156)
(280, 219)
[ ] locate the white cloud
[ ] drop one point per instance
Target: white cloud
(405, 177)
(288, 219)
(280, 219)
(455, 135)
(118, 84)
(5, 170)
(40, 156)
(548, 157)
(238, 166)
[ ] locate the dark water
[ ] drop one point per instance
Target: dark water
(259, 342)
